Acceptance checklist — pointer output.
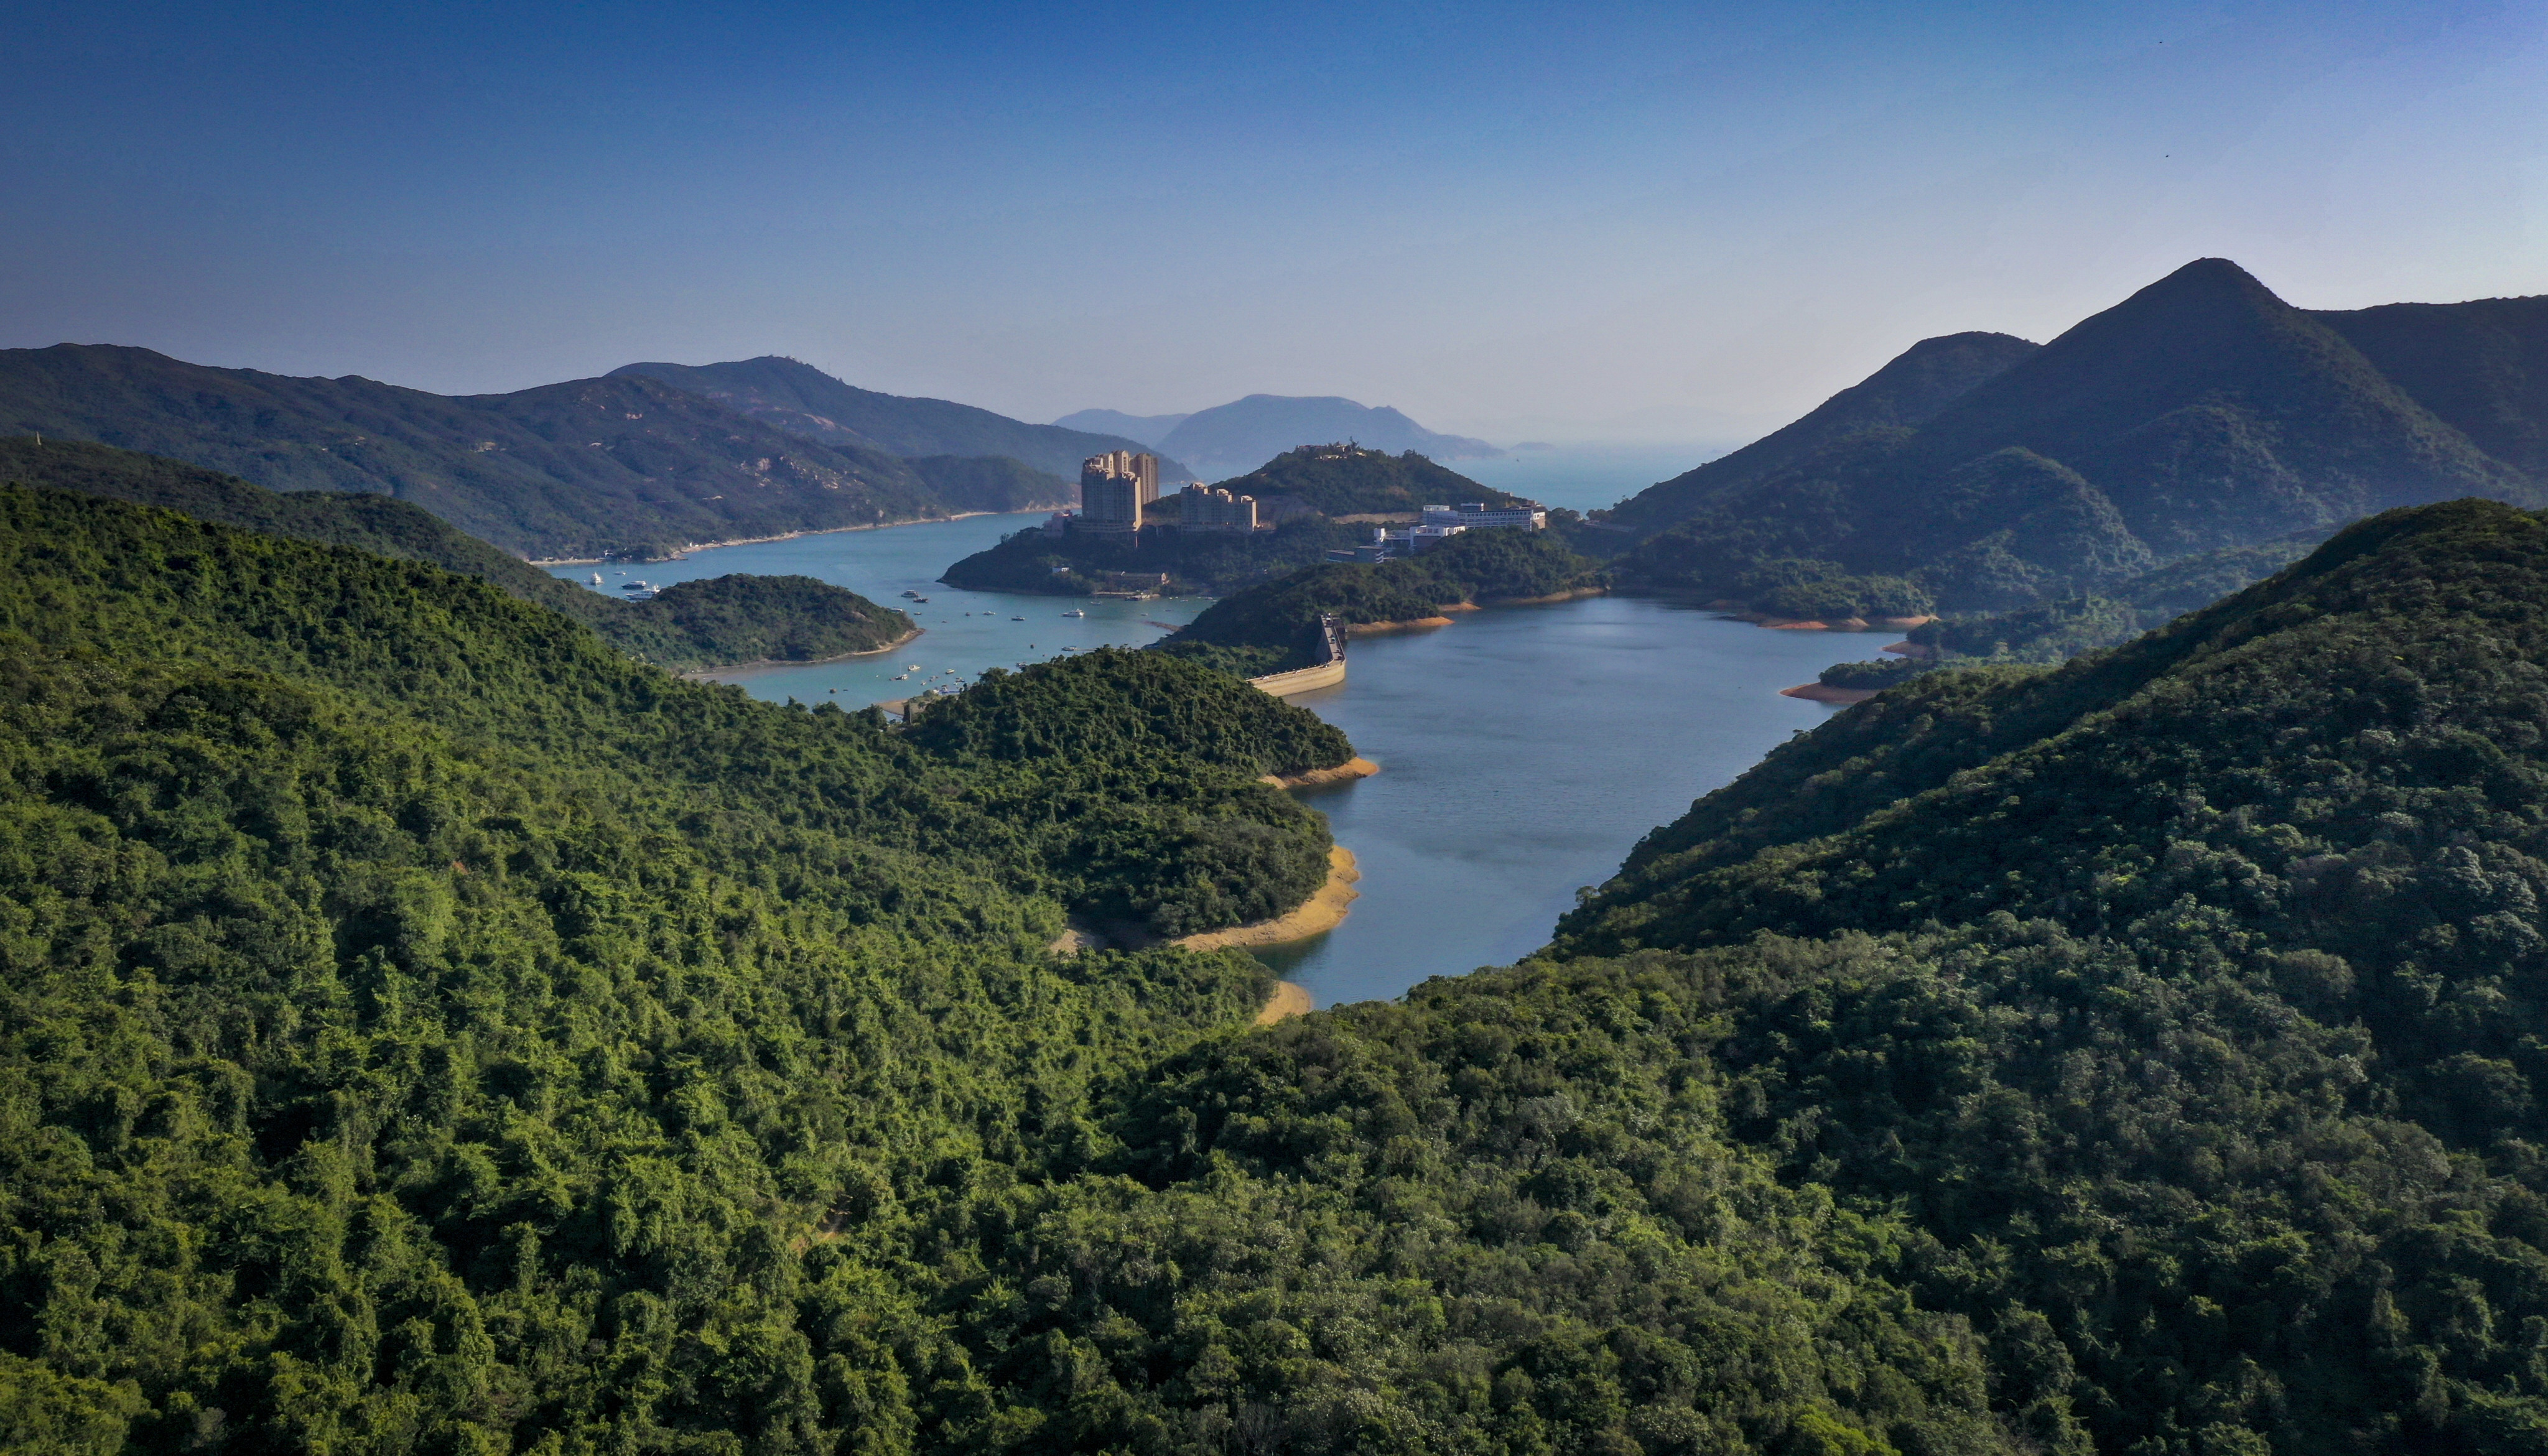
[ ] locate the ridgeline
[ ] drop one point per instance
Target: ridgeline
(1982, 474)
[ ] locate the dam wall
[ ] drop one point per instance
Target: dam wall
(1327, 672)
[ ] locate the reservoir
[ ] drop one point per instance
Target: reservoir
(1523, 750)
(961, 632)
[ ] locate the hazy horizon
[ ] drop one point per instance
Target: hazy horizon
(1650, 226)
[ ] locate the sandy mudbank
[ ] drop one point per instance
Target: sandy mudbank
(1383, 629)
(1551, 599)
(1345, 773)
(1288, 1001)
(1824, 692)
(802, 662)
(1841, 624)
(1324, 911)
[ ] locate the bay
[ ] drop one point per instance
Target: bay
(961, 632)
(1523, 752)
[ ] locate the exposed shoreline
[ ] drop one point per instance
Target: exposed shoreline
(877, 525)
(1551, 599)
(1290, 999)
(1345, 773)
(1321, 912)
(800, 662)
(1825, 692)
(1388, 629)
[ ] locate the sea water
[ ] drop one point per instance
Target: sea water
(1523, 750)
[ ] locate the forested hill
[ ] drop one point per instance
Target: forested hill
(2186, 1000)
(592, 467)
(424, 1028)
(802, 401)
(695, 625)
(1342, 479)
(1907, 392)
(2201, 413)
(1274, 626)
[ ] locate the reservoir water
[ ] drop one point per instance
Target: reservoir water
(961, 632)
(1523, 750)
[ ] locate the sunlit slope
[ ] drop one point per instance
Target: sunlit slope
(693, 624)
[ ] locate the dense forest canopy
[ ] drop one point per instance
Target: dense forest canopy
(692, 625)
(2186, 999)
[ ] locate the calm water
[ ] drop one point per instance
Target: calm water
(1522, 750)
(1523, 753)
(962, 632)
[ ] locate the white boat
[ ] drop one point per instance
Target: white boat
(1074, 613)
(597, 579)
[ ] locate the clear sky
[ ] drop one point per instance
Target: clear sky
(1576, 222)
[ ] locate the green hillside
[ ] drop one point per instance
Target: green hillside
(1349, 480)
(1273, 626)
(802, 401)
(592, 467)
(2199, 414)
(2183, 1000)
(1906, 392)
(2481, 366)
(426, 1030)
(695, 625)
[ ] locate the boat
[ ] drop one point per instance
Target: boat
(597, 579)
(920, 598)
(1017, 620)
(1074, 612)
(638, 587)
(914, 595)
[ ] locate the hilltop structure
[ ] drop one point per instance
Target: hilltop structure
(1114, 489)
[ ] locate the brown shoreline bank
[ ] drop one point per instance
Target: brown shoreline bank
(702, 673)
(1324, 911)
(1345, 773)
(1289, 1000)
(1824, 692)
(879, 526)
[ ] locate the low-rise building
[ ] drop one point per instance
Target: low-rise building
(1476, 513)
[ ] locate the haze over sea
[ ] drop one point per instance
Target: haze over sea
(1523, 750)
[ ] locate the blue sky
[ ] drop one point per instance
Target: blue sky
(1661, 223)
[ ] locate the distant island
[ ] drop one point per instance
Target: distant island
(1234, 437)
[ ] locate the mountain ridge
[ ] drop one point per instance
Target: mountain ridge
(1246, 433)
(2202, 412)
(797, 399)
(577, 469)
